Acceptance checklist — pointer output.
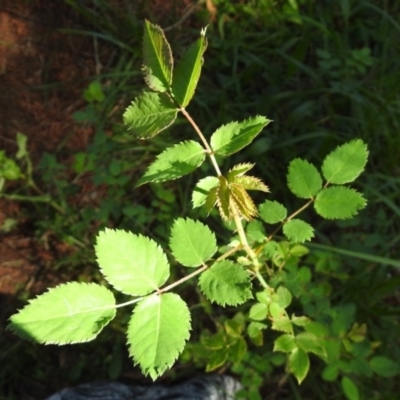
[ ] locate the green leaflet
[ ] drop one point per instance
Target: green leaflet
(187, 73)
(258, 311)
(285, 343)
(272, 212)
(346, 162)
(157, 57)
(202, 189)
(192, 243)
(303, 179)
(310, 343)
(383, 366)
(157, 332)
(150, 114)
(350, 389)
(226, 283)
(70, 313)
(338, 202)
(232, 137)
(299, 364)
(133, 264)
(174, 162)
(298, 231)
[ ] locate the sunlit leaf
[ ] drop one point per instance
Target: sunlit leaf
(285, 343)
(157, 332)
(298, 231)
(226, 283)
(149, 114)
(157, 58)
(299, 364)
(303, 179)
(202, 189)
(70, 313)
(187, 73)
(232, 137)
(346, 162)
(272, 212)
(338, 202)
(133, 264)
(192, 243)
(174, 162)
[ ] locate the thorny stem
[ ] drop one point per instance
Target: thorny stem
(236, 217)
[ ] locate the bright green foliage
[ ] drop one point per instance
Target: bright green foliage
(9, 169)
(346, 162)
(258, 311)
(187, 73)
(150, 114)
(174, 162)
(226, 283)
(272, 212)
(311, 344)
(158, 331)
(350, 389)
(285, 343)
(304, 179)
(339, 202)
(157, 57)
(282, 297)
(192, 243)
(298, 231)
(254, 262)
(133, 264)
(299, 364)
(202, 189)
(69, 313)
(232, 137)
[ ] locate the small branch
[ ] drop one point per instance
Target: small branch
(203, 139)
(184, 279)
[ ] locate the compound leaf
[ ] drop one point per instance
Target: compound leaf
(298, 231)
(303, 178)
(157, 332)
(187, 73)
(133, 264)
(299, 364)
(70, 313)
(338, 202)
(346, 162)
(232, 137)
(192, 243)
(174, 162)
(226, 283)
(150, 114)
(157, 57)
(202, 189)
(272, 212)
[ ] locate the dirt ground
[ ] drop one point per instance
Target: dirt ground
(43, 73)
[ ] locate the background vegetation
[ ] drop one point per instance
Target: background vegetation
(324, 72)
